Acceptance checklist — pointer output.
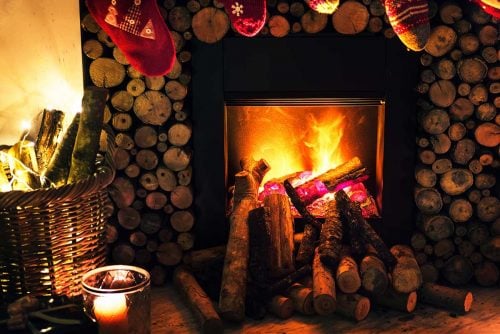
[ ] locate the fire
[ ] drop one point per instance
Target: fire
(290, 138)
(325, 138)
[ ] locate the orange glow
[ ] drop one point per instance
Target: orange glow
(289, 139)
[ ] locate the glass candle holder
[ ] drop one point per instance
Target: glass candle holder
(118, 298)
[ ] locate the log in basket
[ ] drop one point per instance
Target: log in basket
(50, 237)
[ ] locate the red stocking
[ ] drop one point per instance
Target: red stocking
(138, 30)
(410, 21)
(247, 16)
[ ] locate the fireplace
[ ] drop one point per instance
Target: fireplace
(327, 75)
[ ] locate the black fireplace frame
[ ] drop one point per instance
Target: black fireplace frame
(323, 66)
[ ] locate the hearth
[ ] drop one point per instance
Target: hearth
(244, 89)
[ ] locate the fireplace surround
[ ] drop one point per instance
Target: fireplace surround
(301, 69)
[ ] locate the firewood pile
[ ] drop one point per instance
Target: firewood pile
(337, 265)
(458, 228)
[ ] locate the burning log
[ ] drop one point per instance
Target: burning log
(324, 296)
(332, 180)
(300, 206)
(368, 234)
(198, 301)
(449, 298)
(330, 243)
(234, 276)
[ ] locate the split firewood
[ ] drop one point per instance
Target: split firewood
(353, 306)
(58, 168)
(280, 256)
(46, 142)
(234, 276)
(89, 131)
(373, 275)
(305, 252)
(368, 233)
(302, 299)
(324, 296)
(198, 301)
(406, 276)
(347, 275)
(330, 242)
(404, 302)
(281, 306)
(449, 298)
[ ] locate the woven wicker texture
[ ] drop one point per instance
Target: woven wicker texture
(50, 237)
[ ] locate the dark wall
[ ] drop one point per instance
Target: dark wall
(319, 66)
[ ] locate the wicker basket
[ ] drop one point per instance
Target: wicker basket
(50, 237)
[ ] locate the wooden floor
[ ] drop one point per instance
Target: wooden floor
(170, 315)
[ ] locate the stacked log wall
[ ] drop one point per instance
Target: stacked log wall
(153, 196)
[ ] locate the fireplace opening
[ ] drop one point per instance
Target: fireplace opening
(304, 138)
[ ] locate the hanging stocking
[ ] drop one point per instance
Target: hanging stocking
(247, 16)
(323, 6)
(139, 31)
(410, 21)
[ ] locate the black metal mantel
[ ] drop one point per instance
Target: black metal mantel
(329, 66)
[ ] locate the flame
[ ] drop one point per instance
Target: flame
(325, 138)
(290, 138)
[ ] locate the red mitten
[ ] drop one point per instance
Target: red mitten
(247, 16)
(410, 21)
(139, 31)
(323, 6)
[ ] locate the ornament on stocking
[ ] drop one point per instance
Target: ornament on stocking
(139, 31)
(247, 16)
(323, 6)
(410, 21)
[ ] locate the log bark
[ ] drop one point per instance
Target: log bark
(347, 276)
(281, 306)
(369, 235)
(305, 252)
(331, 235)
(283, 284)
(281, 233)
(58, 168)
(204, 258)
(198, 301)
(259, 222)
(404, 302)
(350, 18)
(446, 297)
(373, 275)
(302, 299)
(353, 306)
(406, 275)
(210, 25)
(324, 296)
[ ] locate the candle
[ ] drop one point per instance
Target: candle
(111, 314)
